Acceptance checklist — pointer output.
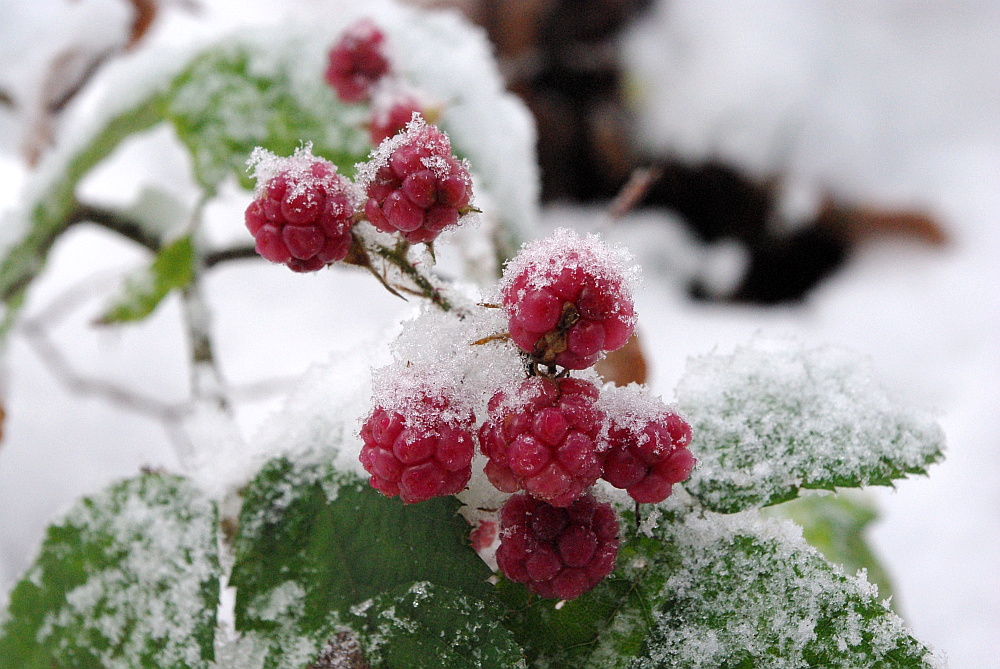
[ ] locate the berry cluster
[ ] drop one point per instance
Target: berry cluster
(302, 216)
(303, 212)
(419, 188)
(548, 437)
(566, 303)
(557, 553)
(359, 71)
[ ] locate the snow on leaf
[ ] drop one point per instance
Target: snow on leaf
(304, 558)
(774, 417)
(428, 626)
(737, 591)
(127, 579)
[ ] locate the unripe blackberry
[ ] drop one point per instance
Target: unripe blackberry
(357, 62)
(558, 553)
(417, 458)
(302, 213)
(544, 439)
(647, 455)
(415, 185)
(567, 300)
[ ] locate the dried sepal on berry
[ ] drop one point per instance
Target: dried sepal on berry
(568, 299)
(357, 62)
(558, 553)
(415, 185)
(543, 438)
(302, 211)
(646, 444)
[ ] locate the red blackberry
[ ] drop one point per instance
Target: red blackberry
(302, 213)
(567, 300)
(557, 553)
(648, 454)
(417, 458)
(544, 439)
(357, 62)
(415, 185)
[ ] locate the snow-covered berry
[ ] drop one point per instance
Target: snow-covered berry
(417, 458)
(568, 300)
(302, 210)
(543, 439)
(415, 186)
(646, 447)
(558, 553)
(357, 62)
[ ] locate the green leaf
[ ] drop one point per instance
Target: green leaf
(773, 417)
(427, 626)
(314, 542)
(129, 578)
(835, 525)
(736, 591)
(248, 93)
(172, 268)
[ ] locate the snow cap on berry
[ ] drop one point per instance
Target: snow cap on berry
(300, 170)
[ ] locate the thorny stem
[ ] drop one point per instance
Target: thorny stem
(424, 287)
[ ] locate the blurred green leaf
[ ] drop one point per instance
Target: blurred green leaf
(172, 269)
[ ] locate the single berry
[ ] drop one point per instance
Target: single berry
(388, 121)
(427, 453)
(415, 185)
(357, 62)
(302, 211)
(567, 300)
(558, 553)
(647, 455)
(544, 439)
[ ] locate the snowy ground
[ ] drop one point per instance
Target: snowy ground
(896, 105)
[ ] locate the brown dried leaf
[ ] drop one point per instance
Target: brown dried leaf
(626, 365)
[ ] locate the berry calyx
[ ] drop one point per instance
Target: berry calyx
(544, 439)
(417, 457)
(647, 453)
(567, 300)
(415, 186)
(357, 62)
(558, 553)
(302, 211)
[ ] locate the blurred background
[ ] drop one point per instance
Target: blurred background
(825, 169)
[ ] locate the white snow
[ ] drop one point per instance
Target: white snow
(894, 104)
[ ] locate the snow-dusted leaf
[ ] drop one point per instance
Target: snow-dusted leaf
(835, 525)
(562, 634)
(249, 93)
(774, 417)
(172, 268)
(314, 542)
(427, 626)
(737, 591)
(127, 579)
